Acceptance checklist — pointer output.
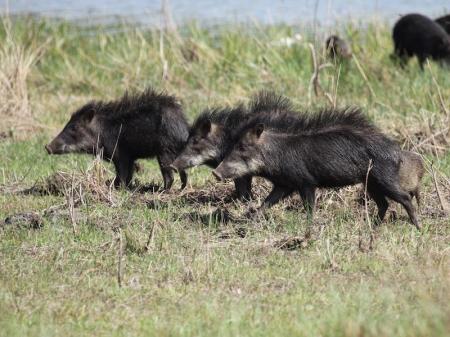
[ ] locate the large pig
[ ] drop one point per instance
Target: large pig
(418, 35)
(144, 125)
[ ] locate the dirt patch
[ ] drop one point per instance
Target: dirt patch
(56, 184)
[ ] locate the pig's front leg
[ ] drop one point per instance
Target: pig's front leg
(124, 171)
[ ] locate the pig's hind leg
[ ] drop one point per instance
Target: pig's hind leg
(308, 195)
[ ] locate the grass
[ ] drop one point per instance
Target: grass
(184, 271)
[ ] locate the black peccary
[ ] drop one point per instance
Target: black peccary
(209, 139)
(336, 155)
(444, 21)
(213, 134)
(338, 48)
(136, 126)
(418, 35)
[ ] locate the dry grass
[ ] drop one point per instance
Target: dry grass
(16, 62)
(78, 257)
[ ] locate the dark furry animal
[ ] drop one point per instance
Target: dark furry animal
(145, 125)
(410, 175)
(338, 48)
(214, 132)
(209, 139)
(417, 35)
(268, 102)
(444, 22)
(335, 155)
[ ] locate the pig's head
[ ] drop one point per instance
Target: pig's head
(203, 145)
(80, 135)
(246, 157)
(337, 47)
(344, 50)
(444, 50)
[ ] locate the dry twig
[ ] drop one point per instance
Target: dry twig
(442, 201)
(119, 258)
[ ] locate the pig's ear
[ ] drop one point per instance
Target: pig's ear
(89, 115)
(205, 127)
(258, 130)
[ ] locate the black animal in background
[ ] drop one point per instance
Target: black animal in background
(417, 35)
(338, 48)
(144, 125)
(335, 155)
(444, 21)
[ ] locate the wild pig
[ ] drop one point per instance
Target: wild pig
(418, 35)
(444, 22)
(213, 134)
(338, 48)
(336, 155)
(145, 125)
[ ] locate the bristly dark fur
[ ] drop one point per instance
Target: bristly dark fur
(138, 125)
(130, 104)
(229, 118)
(269, 102)
(263, 103)
(318, 122)
(328, 149)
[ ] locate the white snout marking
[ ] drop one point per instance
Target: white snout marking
(254, 164)
(201, 158)
(236, 168)
(195, 161)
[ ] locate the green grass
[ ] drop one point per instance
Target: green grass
(199, 276)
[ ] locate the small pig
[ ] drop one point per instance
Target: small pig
(444, 21)
(144, 125)
(411, 173)
(333, 156)
(338, 48)
(415, 34)
(213, 134)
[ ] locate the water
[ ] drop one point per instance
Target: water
(212, 12)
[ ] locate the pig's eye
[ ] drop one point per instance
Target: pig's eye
(73, 132)
(198, 139)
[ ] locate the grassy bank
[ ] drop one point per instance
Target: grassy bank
(185, 268)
